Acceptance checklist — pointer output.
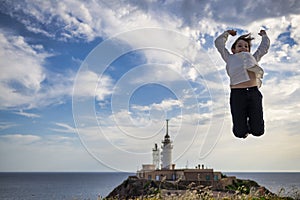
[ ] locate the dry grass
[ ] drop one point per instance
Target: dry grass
(205, 193)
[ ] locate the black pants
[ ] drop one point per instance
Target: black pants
(247, 111)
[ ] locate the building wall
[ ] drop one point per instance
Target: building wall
(158, 175)
(148, 167)
(184, 174)
(206, 177)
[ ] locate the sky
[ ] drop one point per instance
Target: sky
(87, 86)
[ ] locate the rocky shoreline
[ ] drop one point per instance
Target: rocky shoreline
(135, 188)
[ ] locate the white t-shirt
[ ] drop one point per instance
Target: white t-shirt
(238, 64)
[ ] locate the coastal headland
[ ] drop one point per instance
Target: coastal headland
(136, 188)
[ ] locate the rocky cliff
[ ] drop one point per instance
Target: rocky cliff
(134, 188)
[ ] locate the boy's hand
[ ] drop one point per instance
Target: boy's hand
(231, 32)
(262, 32)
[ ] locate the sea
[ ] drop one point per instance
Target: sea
(91, 186)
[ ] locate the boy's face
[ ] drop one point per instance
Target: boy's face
(241, 46)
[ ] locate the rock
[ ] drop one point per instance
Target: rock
(133, 188)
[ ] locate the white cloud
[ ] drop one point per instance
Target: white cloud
(18, 56)
(33, 153)
(91, 19)
(21, 139)
(282, 102)
(6, 125)
(25, 89)
(27, 114)
(167, 104)
(64, 128)
(89, 84)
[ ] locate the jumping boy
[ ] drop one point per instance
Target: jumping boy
(245, 74)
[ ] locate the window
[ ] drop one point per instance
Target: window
(157, 177)
(207, 177)
(216, 177)
(173, 177)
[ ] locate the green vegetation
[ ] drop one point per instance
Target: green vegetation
(155, 190)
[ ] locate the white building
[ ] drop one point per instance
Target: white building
(166, 150)
(156, 157)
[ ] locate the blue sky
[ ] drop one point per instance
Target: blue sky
(88, 86)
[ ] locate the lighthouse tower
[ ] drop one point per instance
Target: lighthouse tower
(156, 157)
(166, 150)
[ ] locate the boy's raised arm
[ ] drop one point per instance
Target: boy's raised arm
(220, 43)
(263, 47)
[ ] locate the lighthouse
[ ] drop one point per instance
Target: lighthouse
(167, 147)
